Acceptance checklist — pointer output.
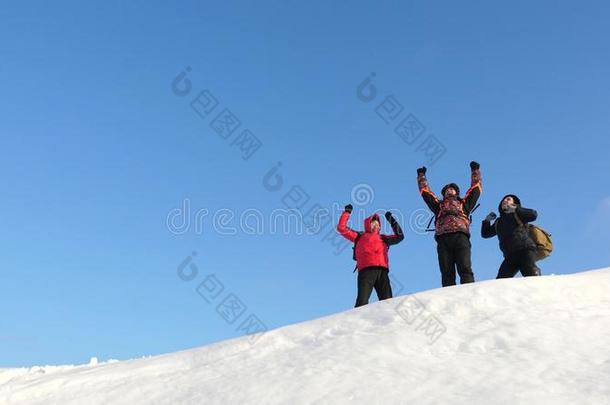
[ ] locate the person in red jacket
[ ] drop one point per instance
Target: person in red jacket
(452, 224)
(371, 253)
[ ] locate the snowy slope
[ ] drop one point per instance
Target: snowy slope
(520, 341)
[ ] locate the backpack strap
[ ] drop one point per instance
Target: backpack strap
(471, 211)
(428, 229)
(354, 249)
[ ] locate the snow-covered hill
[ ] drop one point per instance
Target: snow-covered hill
(519, 341)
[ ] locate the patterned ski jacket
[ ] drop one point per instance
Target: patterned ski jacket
(451, 214)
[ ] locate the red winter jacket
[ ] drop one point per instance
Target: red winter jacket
(372, 247)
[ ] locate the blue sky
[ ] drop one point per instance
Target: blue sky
(98, 150)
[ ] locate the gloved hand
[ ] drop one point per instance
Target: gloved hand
(510, 208)
(388, 216)
(490, 217)
(349, 208)
(474, 165)
(421, 170)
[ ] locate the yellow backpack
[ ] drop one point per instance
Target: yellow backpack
(542, 239)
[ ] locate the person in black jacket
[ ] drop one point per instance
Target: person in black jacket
(515, 242)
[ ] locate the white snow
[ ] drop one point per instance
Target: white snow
(518, 341)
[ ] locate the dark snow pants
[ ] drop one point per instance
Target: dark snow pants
(373, 277)
(521, 260)
(454, 251)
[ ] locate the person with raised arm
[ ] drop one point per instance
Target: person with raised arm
(371, 254)
(452, 224)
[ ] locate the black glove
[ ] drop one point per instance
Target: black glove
(421, 170)
(474, 165)
(491, 216)
(388, 216)
(349, 208)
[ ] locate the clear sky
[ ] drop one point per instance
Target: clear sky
(102, 145)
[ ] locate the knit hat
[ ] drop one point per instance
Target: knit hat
(453, 186)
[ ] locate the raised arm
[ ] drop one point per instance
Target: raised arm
(428, 196)
(526, 214)
(487, 229)
(475, 190)
(342, 227)
(398, 235)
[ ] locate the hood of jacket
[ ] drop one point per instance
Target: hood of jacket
(367, 222)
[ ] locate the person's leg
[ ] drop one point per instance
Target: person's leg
(462, 258)
(528, 264)
(507, 269)
(445, 261)
(366, 281)
(383, 288)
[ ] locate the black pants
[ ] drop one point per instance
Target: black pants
(454, 251)
(521, 260)
(373, 277)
